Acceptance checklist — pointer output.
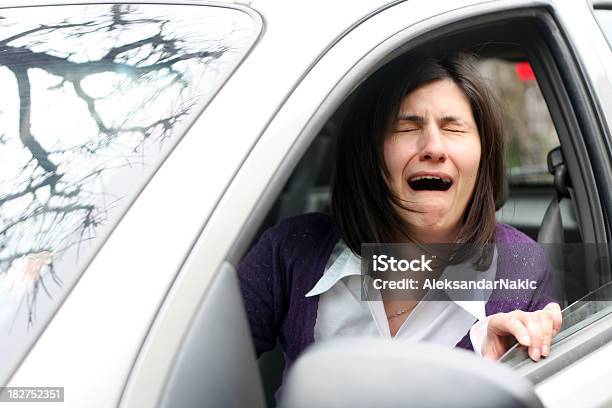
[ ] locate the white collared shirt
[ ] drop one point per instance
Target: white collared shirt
(342, 312)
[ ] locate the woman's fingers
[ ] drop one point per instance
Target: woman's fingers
(555, 310)
(546, 321)
(534, 330)
(542, 326)
(533, 323)
(507, 323)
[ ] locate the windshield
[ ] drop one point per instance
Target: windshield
(94, 97)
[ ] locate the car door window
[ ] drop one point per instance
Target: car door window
(94, 98)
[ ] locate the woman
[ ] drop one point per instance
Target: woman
(419, 159)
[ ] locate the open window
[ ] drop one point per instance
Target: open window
(539, 117)
(547, 106)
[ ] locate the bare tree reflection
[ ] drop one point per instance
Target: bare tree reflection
(43, 211)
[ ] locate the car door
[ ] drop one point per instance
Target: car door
(340, 67)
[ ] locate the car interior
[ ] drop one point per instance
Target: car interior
(551, 194)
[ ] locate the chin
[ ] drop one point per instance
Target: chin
(430, 219)
(431, 225)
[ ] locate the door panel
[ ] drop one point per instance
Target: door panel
(216, 365)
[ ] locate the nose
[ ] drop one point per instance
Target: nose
(432, 145)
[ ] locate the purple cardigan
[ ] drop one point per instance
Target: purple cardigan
(290, 258)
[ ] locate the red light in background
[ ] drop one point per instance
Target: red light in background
(524, 71)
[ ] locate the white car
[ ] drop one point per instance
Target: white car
(144, 146)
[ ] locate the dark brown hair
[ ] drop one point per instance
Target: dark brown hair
(362, 203)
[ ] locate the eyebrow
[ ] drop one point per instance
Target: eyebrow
(420, 121)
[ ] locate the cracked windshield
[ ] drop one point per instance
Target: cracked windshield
(94, 98)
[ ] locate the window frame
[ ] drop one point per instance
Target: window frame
(573, 108)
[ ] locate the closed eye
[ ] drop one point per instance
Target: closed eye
(454, 130)
(406, 130)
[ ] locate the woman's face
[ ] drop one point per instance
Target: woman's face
(433, 154)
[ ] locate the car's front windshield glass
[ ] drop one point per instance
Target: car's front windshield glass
(94, 97)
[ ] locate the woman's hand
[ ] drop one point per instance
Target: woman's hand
(534, 330)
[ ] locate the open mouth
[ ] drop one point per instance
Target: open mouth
(430, 183)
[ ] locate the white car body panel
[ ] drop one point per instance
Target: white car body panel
(584, 383)
(592, 49)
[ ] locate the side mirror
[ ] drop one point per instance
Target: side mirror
(391, 373)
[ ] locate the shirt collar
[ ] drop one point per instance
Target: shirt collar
(474, 307)
(346, 263)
